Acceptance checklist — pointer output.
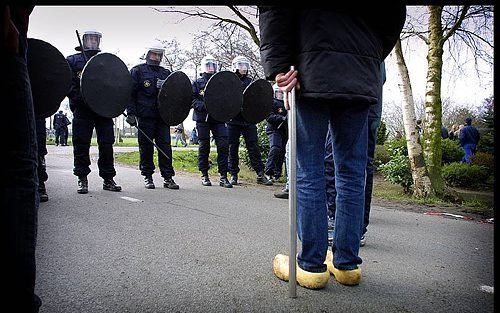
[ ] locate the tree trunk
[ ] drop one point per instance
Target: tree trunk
(421, 182)
(433, 106)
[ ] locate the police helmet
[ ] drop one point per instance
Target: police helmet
(208, 65)
(278, 93)
(91, 40)
(154, 53)
(241, 65)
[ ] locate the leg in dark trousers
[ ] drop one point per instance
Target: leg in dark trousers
(234, 133)
(146, 147)
(203, 147)
(18, 195)
(219, 131)
(83, 126)
(105, 140)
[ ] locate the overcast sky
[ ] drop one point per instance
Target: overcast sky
(127, 30)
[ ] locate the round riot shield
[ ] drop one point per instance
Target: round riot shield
(50, 77)
(106, 85)
(257, 101)
(175, 98)
(222, 96)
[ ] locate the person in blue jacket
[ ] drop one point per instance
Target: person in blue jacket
(237, 127)
(206, 124)
(85, 120)
(143, 112)
(469, 138)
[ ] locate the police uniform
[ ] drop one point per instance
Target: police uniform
(237, 127)
(59, 124)
(145, 107)
(277, 131)
(204, 124)
(84, 121)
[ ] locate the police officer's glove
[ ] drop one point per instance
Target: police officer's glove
(159, 83)
(131, 119)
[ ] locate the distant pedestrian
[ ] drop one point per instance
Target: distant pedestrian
(469, 138)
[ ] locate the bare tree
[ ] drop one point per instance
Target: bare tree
(174, 57)
(421, 181)
(241, 17)
(471, 26)
(229, 41)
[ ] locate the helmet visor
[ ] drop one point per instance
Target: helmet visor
(91, 41)
(209, 67)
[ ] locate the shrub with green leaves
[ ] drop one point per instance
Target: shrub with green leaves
(484, 159)
(452, 152)
(398, 170)
(381, 156)
(465, 175)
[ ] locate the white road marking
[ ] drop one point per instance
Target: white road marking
(131, 199)
(485, 288)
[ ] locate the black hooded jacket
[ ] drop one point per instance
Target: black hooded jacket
(336, 50)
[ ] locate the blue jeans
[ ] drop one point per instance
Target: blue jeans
(349, 138)
(469, 149)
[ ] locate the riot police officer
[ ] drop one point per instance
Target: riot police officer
(238, 126)
(59, 123)
(277, 132)
(143, 112)
(84, 121)
(206, 124)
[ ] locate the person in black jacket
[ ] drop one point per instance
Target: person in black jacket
(59, 123)
(337, 54)
(237, 126)
(19, 198)
(277, 132)
(206, 124)
(143, 112)
(85, 120)
(65, 130)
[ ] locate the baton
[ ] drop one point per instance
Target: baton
(137, 126)
(81, 46)
(292, 201)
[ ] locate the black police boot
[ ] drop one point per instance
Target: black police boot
(42, 192)
(109, 184)
(205, 181)
(148, 182)
(234, 180)
(283, 194)
(224, 182)
(169, 183)
(263, 180)
(83, 185)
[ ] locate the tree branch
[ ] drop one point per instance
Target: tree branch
(457, 24)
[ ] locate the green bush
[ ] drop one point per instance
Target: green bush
(382, 133)
(465, 175)
(484, 159)
(397, 170)
(452, 152)
(381, 156)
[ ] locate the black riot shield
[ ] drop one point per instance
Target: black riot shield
(257, 101)
(175, 98)
(50, 76)
(106, 85)
(222, 96)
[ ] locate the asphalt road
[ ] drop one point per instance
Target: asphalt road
(210, 249)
